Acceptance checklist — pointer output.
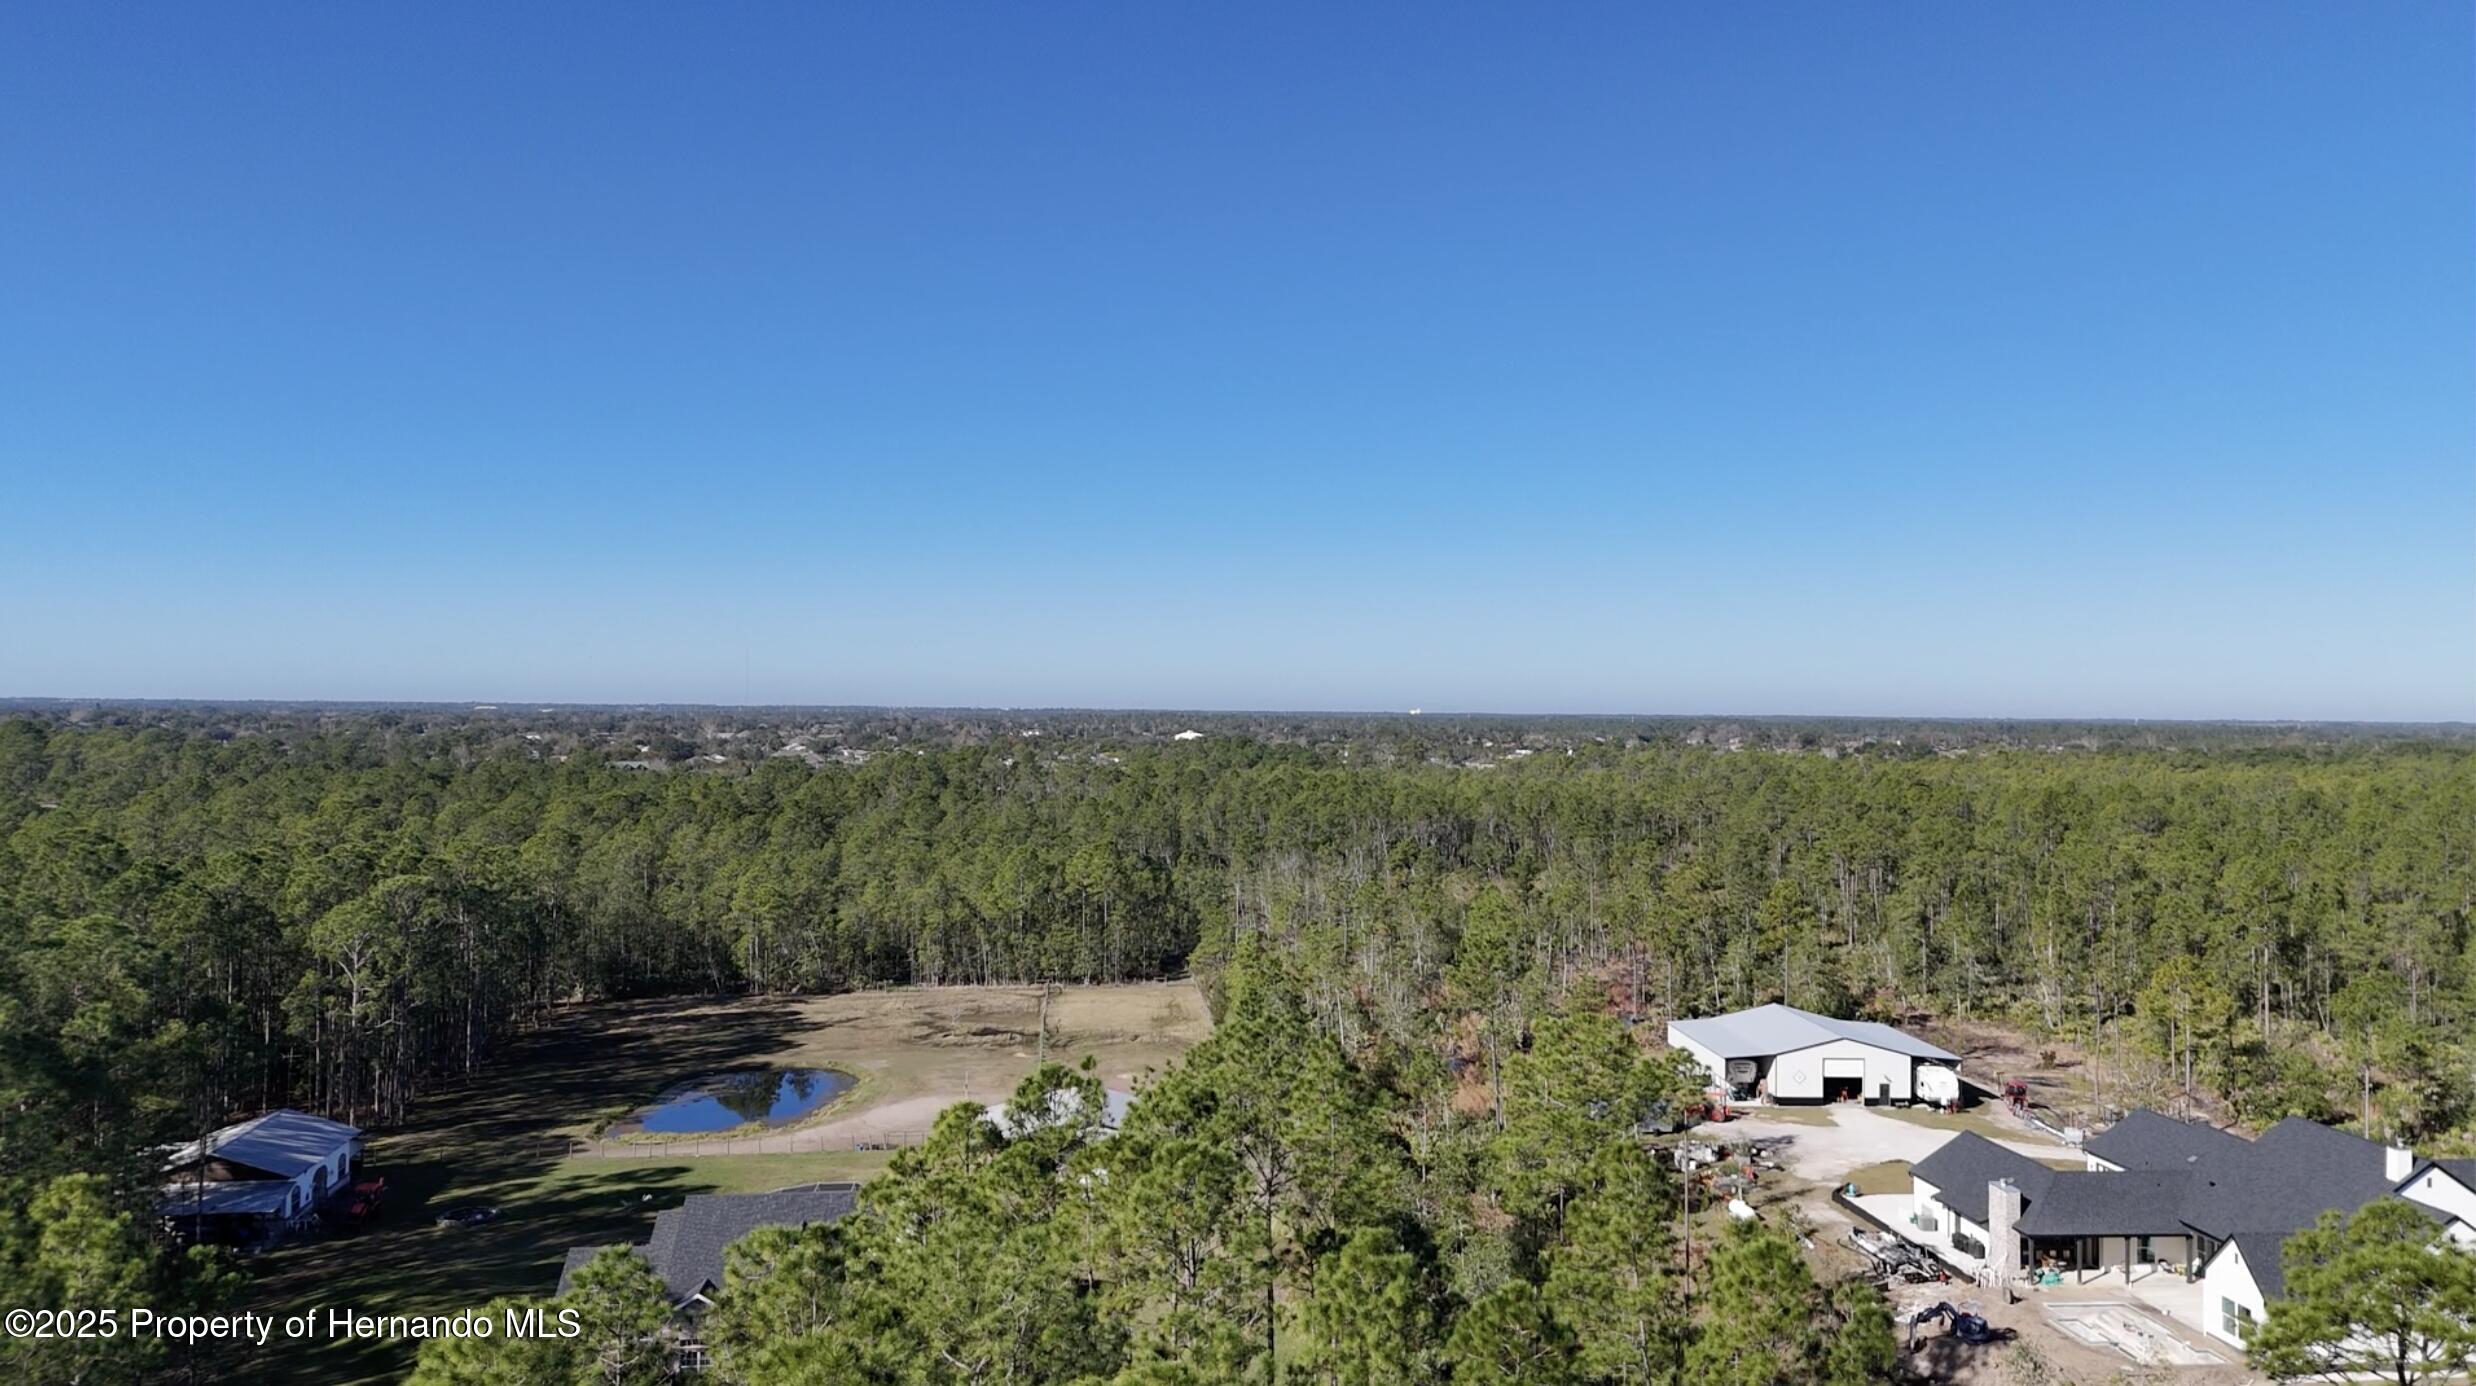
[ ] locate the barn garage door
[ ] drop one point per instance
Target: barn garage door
(1844, 1068)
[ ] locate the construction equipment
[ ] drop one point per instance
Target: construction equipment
(1765, 1151)
(1895, 1260)
(1969, 1328)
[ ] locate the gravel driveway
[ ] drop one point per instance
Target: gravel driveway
(1857, 1137)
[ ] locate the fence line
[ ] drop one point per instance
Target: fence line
(780, 1143)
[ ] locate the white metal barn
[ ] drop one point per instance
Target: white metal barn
(1788, 1055)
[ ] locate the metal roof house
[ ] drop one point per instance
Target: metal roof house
(1780, 1053)
(255, 1180)
(2159, 1195)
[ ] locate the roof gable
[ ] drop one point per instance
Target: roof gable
(1776, 1029)
(2462, 1171)
(1962, 1167)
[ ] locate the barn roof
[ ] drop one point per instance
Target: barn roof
(283, 1143)
(1776, 1029)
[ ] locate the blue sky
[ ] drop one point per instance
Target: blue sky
(2103, 360)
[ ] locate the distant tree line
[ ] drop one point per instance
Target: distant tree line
(196, 923)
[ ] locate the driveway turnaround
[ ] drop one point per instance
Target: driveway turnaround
(1856, 1137)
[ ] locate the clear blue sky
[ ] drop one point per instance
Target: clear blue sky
(2035, 359)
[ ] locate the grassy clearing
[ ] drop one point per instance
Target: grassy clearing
(1794, 1116)
(502, 1140)
(914, 1052)
(1889, 1177)
(1978, 1120)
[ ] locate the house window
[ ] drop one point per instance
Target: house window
(2235, 1318)
(2142, 1255)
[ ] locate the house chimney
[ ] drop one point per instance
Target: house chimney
(2002, 1243)
(2397, 1163)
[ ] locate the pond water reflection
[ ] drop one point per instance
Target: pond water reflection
(773, 1096)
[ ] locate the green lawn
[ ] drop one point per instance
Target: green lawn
(1794, 1116)
(503, 1139)
(492, 1143)
(1889, 1177)
(1979, 1120)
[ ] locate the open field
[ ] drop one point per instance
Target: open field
(503, 1139)
(917, 1051)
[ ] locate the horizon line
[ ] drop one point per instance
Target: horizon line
(541, 705)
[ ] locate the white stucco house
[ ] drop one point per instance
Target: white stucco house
(1779, 1053)
(2162, 1197)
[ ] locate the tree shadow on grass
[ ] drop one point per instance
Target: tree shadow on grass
(494, 1141)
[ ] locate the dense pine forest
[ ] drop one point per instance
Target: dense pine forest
(203, 917)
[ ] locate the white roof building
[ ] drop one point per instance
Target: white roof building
(269, 1172)
(1780, 1052)
(282, 1144)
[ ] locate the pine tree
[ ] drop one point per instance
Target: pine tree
(1609, 1279)
(2378, 1294)
(1510, 1339)
(1369, 1321)
(625, 1316)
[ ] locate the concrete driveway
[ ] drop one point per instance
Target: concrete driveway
(1855, 1137)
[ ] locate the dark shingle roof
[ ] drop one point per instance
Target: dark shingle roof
(2176, 1175)
(576, 1258)
(688, 1242)
(2131, 1203)
(1964, 1165)
(2147, 1140)
(2294, 1173)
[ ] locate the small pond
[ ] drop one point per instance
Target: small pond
(724, 1101)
